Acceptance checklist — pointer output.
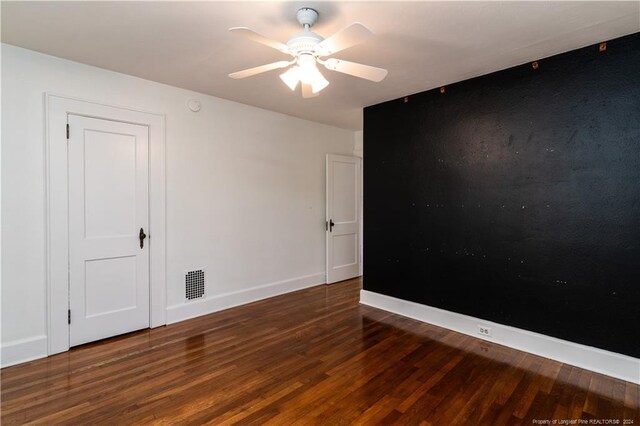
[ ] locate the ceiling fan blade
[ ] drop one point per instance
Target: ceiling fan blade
(252, 35)
(257, 70)
(343, 39)
(307, 91)
(357, 70)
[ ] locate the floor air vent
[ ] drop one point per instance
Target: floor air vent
(194, 284)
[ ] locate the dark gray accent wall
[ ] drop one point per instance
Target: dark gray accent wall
(515, 197)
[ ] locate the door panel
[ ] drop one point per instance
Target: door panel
(110, 183)
(345, 202)
(108, 204)
(343, 218)
(345, 250)
(110, 285)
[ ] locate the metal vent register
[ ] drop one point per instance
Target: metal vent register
(194, 284)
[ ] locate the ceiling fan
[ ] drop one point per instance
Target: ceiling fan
(308, 49)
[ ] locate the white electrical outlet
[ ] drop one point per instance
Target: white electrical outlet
(485, 331)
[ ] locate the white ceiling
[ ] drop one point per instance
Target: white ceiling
(422, 44)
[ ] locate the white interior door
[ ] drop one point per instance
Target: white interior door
(343, 218)
(108, 207)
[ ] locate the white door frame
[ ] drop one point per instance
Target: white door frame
(57, 108)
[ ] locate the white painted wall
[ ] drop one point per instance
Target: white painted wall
(245, 187)
(358, 144)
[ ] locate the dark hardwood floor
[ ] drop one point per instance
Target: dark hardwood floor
(311, 357)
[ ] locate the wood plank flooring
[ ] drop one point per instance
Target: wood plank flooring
(311, 357)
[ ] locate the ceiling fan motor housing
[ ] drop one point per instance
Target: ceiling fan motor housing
(304, 42)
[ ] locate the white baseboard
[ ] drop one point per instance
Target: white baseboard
(23, 350)
(594, 359)
(220, 302)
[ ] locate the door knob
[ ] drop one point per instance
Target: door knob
(331, 225)
(142, 236)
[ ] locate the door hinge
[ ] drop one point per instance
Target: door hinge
(67, 131)
(69, 316)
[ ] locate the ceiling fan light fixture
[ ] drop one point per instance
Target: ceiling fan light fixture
(291, 77)
(318, 82)
(309, 73)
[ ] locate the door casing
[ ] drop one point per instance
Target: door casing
(57, 108)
